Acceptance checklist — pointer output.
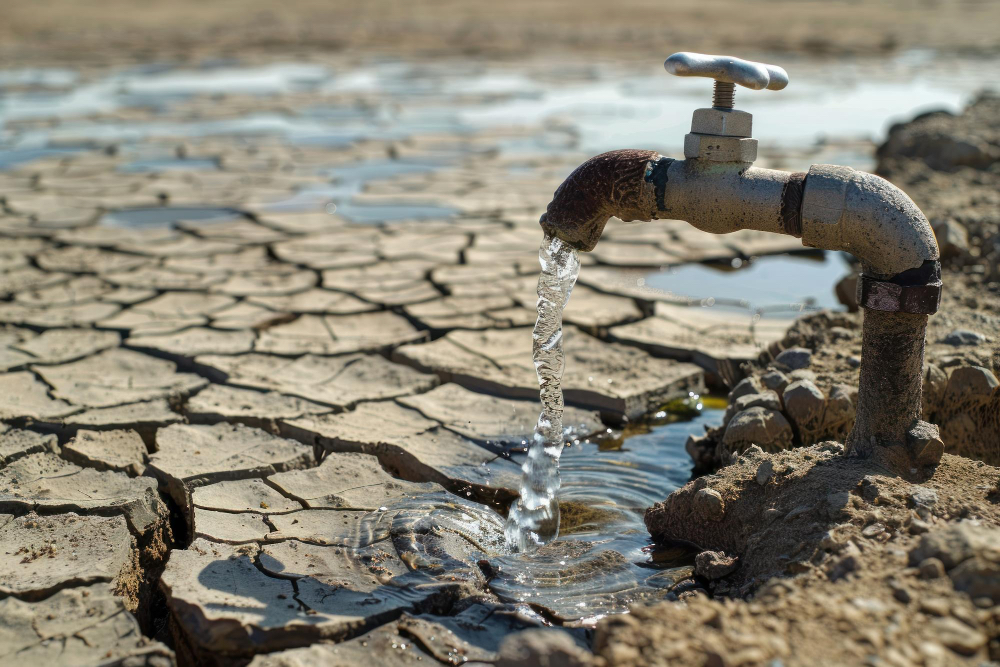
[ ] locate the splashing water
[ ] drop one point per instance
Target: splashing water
(534, 517)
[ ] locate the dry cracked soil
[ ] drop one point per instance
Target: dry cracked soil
(240, 425)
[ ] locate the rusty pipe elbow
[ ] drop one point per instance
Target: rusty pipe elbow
(610, 184)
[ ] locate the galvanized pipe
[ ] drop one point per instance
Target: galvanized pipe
(838, 209)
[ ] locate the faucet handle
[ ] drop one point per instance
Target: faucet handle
(726, 69)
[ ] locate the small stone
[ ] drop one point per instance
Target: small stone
(709, 503)
(918, 527)
(795, 358)
(969, 387)
(957, 636)
(923, 498)
(714, 564)
(870, 488)
(847, 291)
(873, 530)
(853, 361)
(804, 404)
(830, 541)
(748, 385)
(765, 472)
(802, 374)
(931, 568)
(956, 543)
(840, 333)
(840, 411)
(952, 238)
(924, 441)
(760, 426)
(774, 380)
(935, 383)
(765, 399)
(964, 337)
(900, 592)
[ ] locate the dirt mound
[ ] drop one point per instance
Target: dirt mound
(950, 166)
(844, 562)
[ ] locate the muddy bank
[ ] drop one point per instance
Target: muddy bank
(869, 564)
(809, 557)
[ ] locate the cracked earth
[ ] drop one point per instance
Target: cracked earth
(264, 389)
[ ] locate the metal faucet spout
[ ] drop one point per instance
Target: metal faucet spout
(610, 184)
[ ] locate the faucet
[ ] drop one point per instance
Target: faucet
(716, 189)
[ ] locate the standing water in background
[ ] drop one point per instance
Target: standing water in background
(534, 516)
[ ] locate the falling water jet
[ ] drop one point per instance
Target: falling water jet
(534, 516)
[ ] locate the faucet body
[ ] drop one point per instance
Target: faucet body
(830, 207)
(717, 189)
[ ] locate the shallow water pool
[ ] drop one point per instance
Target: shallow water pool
(604, 559)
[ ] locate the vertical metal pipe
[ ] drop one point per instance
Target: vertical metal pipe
(889, 389)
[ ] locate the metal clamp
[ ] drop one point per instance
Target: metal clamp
(918, 293)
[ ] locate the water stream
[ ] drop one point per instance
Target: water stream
(534, 517)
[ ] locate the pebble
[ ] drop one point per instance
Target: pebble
(957, 636)
(765, 472)
(774, 380)
(795, 358)
(931, 568)
(709, 503)
(964, 337)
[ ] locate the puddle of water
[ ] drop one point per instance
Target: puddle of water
(604, 559)
(784, 285)
(15, 158)
(349, 180)
(38, 77)
(609, 106)
(164, 216)
(169, 164)
(841, 98)
(390, 212)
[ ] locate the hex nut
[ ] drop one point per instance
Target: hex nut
(722, 122)
(719, 149)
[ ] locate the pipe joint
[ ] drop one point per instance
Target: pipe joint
(860, 213)
(916, 291)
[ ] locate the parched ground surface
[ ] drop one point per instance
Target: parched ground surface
(278, 438)
(279, 427)
(66, 30)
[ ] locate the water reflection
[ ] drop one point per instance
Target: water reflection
(604, 560)
(785, 285)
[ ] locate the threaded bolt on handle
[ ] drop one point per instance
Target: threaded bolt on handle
(723, 95)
